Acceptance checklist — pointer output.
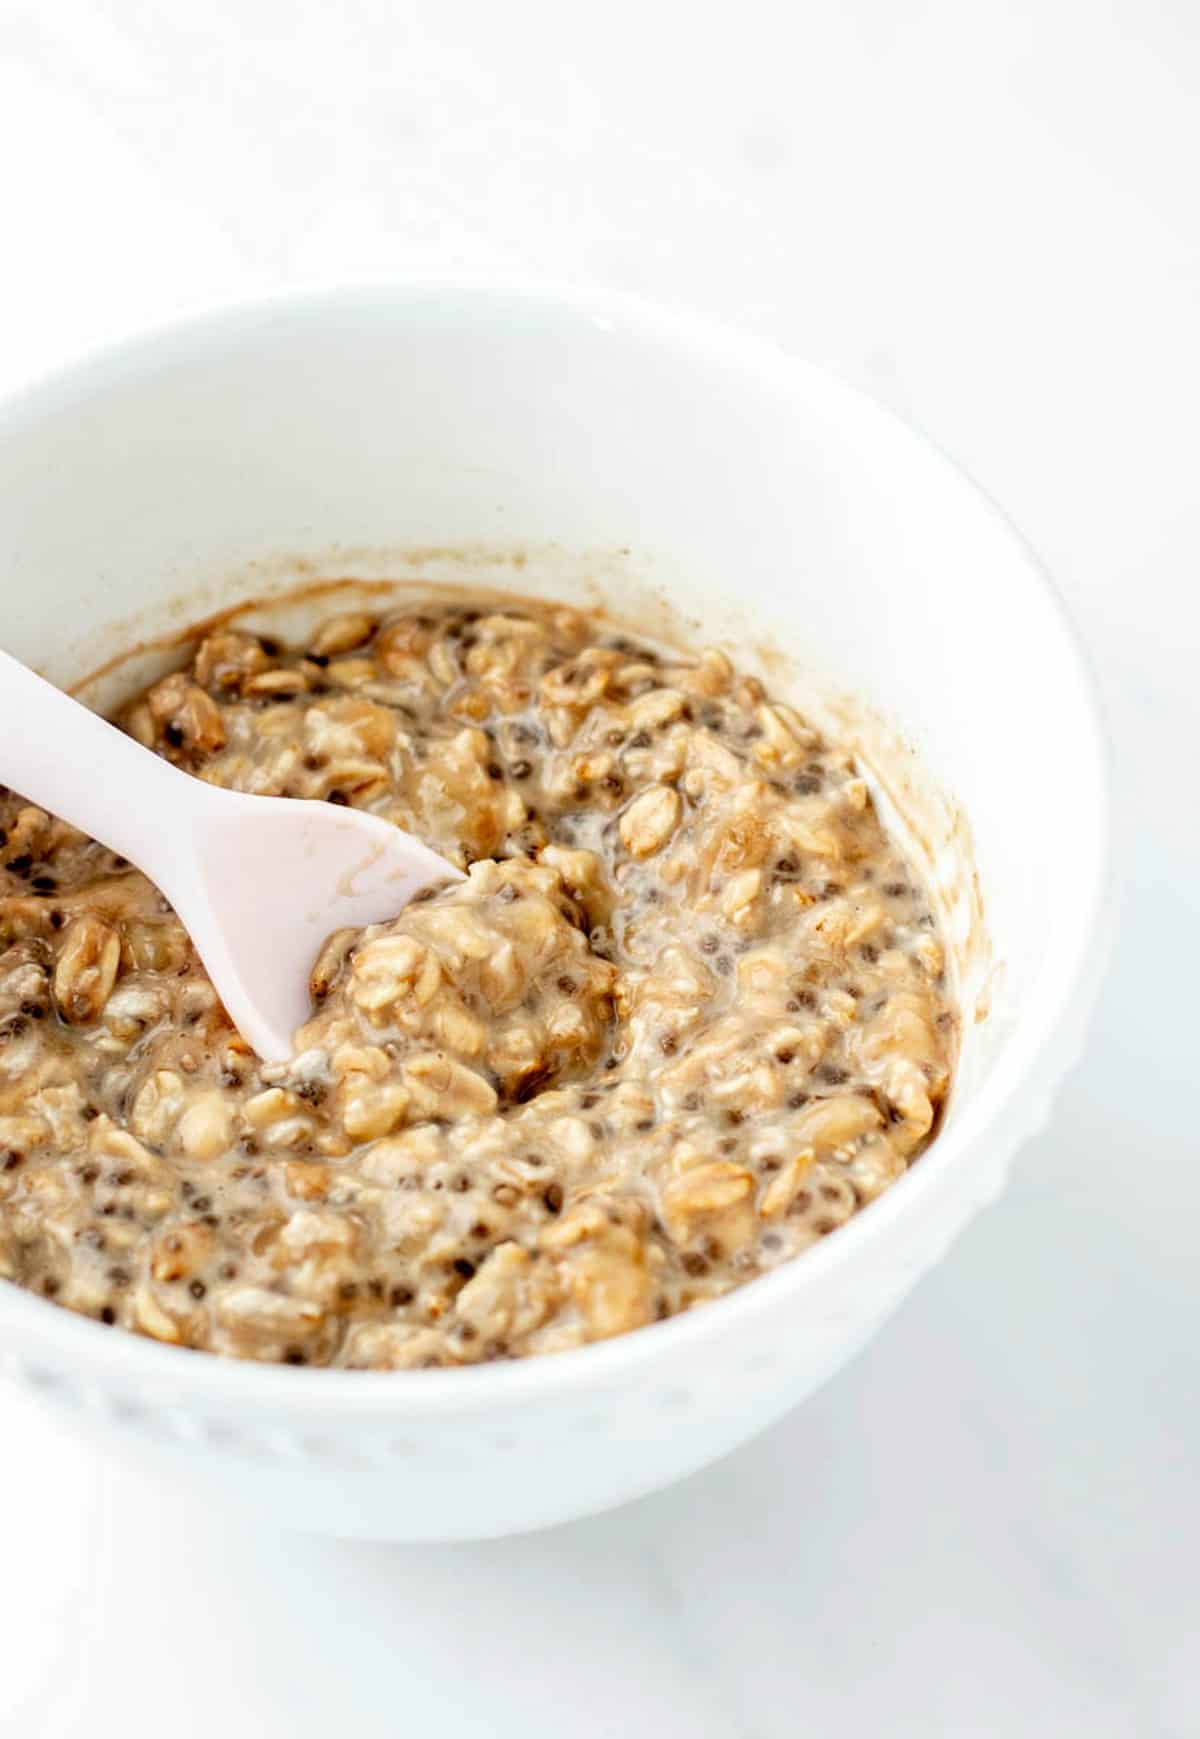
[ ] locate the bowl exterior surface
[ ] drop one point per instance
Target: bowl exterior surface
(740, 496)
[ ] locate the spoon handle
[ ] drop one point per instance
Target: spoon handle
(57, 753)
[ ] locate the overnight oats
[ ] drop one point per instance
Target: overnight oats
(687, 1013)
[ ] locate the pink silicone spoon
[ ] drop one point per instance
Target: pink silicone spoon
(259, 882)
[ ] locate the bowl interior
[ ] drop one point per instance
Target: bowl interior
(696, 484)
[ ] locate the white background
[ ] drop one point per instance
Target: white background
(987, 214)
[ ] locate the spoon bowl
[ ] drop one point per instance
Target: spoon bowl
(268, 879)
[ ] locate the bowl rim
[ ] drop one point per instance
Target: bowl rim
(210, 1379)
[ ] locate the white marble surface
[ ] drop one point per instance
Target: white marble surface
(987, 214)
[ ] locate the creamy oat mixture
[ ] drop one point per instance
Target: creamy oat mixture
(687, 1013)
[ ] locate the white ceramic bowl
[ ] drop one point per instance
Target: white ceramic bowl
(647, 453)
